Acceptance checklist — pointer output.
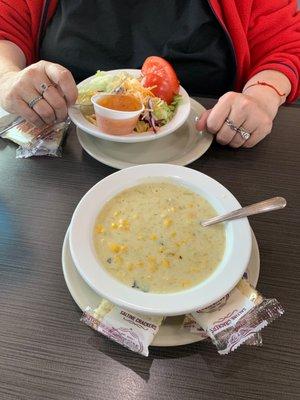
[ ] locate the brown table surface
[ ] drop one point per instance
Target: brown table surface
(46, 353)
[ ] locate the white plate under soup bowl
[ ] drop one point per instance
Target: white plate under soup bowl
(179, 118)
(224, 278)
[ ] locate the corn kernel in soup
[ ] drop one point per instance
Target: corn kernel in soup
(149, 237)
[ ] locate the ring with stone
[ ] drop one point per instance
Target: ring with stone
(241, 131)
(44, 87)
(244, 134)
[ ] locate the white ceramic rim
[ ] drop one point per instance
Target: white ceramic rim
(170, 332)
(179, 118)
(185, 158)
(226, 276)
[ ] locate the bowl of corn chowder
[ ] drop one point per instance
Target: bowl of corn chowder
(136, 239)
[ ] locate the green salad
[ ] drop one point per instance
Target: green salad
(157, 112)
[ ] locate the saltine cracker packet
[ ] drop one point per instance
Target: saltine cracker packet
(237, 317)
(134, 331)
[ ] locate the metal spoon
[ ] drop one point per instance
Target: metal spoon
(276, 203)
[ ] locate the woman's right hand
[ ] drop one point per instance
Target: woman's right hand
(18, 88)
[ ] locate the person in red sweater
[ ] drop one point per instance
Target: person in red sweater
(246, 52)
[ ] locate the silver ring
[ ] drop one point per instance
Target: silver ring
(244, 134)
(33, 102)
(231, 124)
(44, 87)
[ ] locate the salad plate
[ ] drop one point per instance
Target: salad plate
(181, 147)
(171, 332)
(179, 116)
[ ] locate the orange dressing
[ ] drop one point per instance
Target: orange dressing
(120, 102)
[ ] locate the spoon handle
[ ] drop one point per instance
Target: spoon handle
(276, 203)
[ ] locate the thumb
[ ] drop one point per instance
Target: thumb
(201, 123)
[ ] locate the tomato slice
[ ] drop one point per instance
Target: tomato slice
(159, 73)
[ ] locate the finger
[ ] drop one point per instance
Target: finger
(238, 141)
(264, 128)
(64, 79)
(42, 108)
(256, 137)
(226, 134)
(201, 122)
(218, 114)
(45, 111)
(27, 113)
(57, 102)
(52, 96)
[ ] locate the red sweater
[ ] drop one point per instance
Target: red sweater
(265, 33)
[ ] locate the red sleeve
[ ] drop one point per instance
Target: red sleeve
(18, 25)
(20, 22)
(274, 40)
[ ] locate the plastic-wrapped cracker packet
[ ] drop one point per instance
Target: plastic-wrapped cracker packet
(191, 325)
(33, 141)
(134, 331)
(237, 317)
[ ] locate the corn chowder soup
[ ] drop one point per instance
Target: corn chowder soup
(149, 237)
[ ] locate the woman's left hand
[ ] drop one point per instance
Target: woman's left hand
(253, 114)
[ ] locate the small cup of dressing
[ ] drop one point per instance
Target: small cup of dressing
(116, 114)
